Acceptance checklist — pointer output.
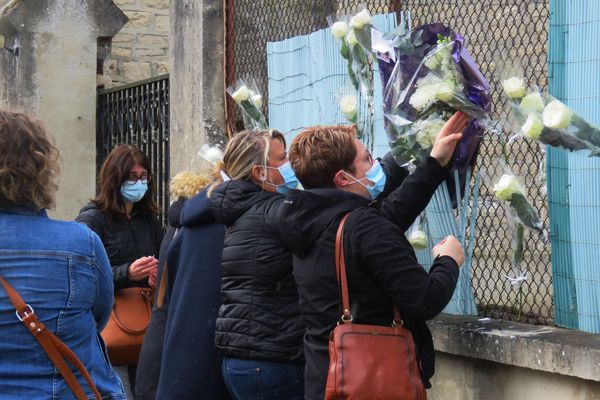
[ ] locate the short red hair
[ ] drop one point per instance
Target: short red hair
(319, 152)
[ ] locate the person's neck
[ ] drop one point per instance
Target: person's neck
(128, 209)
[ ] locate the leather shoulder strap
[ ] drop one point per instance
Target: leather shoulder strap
(57, 351)
(340, 267)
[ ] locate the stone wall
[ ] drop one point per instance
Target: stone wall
(141, 49)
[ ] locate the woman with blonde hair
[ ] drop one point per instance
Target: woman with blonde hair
(60, 269)
(259, 328)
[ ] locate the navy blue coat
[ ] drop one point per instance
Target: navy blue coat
(191, 366)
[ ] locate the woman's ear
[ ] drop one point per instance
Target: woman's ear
(259, 173)
(341, 180)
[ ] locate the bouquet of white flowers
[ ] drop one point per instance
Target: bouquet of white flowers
(543, 118)
(250, 101)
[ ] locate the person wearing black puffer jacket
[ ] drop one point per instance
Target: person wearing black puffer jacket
(259, 329)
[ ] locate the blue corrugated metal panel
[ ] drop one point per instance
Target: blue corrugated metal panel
(306, 76)
(575, 178)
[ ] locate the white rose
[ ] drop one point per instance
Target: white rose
(557, 115)
(351, 38)
(533, 102)
(533, 127)
(349, 106)
(339, 29)
(445, 91)
(418, 240)
(507, 186)
(514, 87)
(242, 94)
(361, 19)
(256, 100)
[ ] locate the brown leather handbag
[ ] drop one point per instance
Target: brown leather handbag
(57, 351)
(124, 332)
(369, 361)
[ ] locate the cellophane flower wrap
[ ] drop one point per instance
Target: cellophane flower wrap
(540, 117)
(509, 189)
(433, 77)
(250, 101)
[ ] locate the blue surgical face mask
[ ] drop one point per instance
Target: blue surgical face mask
(290, 181)
(376, 176)
(134, 192)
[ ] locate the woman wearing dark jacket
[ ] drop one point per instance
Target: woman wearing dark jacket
(183, 186)
(259, 329)
(124, 216)
(382, 270)
(191, 366)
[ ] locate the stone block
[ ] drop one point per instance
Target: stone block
(133, 71)
(162, 67)
(161, 23)
(122, 38)
(158, 4)
(152, 39)
(121, 52)
(123, 2)
(150, 52)
(138, 19)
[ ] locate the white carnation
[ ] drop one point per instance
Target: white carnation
(533, 102)
(256, 100)
(351, 38)
(532, 128)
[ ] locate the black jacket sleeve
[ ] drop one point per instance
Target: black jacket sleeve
(395, 175)
(95, 221)
(384, 250)
(405, 203)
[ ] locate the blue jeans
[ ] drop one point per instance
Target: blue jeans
(263, 380)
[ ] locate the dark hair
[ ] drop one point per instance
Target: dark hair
(319, 152)
(113, 173)
(28, 163)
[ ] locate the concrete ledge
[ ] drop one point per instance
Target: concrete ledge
(541, 348)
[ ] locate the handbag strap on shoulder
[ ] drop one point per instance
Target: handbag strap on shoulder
(56, 350)
(340, 267)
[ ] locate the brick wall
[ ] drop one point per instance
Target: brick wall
(141, 49)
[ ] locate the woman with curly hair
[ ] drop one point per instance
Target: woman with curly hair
(59, 268)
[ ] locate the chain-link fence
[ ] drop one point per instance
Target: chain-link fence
(495, 30)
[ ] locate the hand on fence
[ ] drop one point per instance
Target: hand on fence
(448, 138)
(451, 247)
(142, 268)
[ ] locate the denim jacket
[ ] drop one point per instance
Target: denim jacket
(61, 270)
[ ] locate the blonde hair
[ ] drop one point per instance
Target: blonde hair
(187, 184)
(245, 150)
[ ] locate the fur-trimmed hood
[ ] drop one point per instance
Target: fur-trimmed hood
(187, 184)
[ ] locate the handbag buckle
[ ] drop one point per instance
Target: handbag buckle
(398, 323)
(25, 313)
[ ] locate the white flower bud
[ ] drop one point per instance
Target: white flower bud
(557, 115)
(418, 239)
(351, 38)
(533, 102)
(507, 186)
(532, 128)
(340, 29)
(349, 106)
(361, 19)
(256, 100)
(514, 87)
(242, 94)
